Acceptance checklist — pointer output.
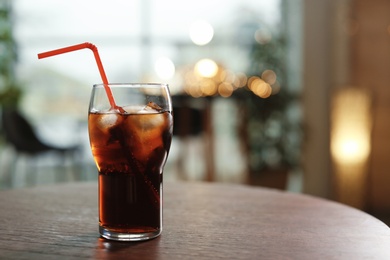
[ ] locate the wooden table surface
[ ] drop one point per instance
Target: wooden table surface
(201, 221)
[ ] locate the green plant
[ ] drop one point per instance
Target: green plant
(269, 129)
(10, 92)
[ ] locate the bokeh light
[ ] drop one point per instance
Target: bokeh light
(206, 68)
(207, 78)
(165, 68)
(269, 76)
(263, 36)
(225, 89)
(243, 79)
(208, 87)
(201, 32)
(260, 88)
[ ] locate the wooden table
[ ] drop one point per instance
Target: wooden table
(201, 221)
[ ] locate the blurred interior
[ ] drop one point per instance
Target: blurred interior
(286, 94)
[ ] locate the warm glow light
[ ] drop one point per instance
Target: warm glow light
(206, 68)
(225, 89)
(251, 80)
(269, 76)
(194, 90)
(201, 32)
(351, 126)
(208, 87)
(164, 68)
(351, 145)
(243, 79)
(353, 148)
(275, 88)
(227, 75)
(207, 78)
(260, 88)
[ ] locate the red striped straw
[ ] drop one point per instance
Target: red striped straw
(98, 62)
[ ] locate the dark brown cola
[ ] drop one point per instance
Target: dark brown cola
(130, 151)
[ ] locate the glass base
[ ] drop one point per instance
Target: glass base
(120, 236)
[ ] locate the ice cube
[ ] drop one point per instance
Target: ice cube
(146, 130)
(145, 118)
(151, 122)
(152, 106)
(133, 109)
(108, 120)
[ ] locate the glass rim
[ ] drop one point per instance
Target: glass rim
(133, 84)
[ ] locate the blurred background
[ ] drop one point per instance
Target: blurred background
(285, 94)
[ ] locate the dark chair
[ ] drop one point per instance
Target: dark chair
(20, 134)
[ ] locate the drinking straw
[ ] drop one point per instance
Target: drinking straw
(98, 62)
(88, 45)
